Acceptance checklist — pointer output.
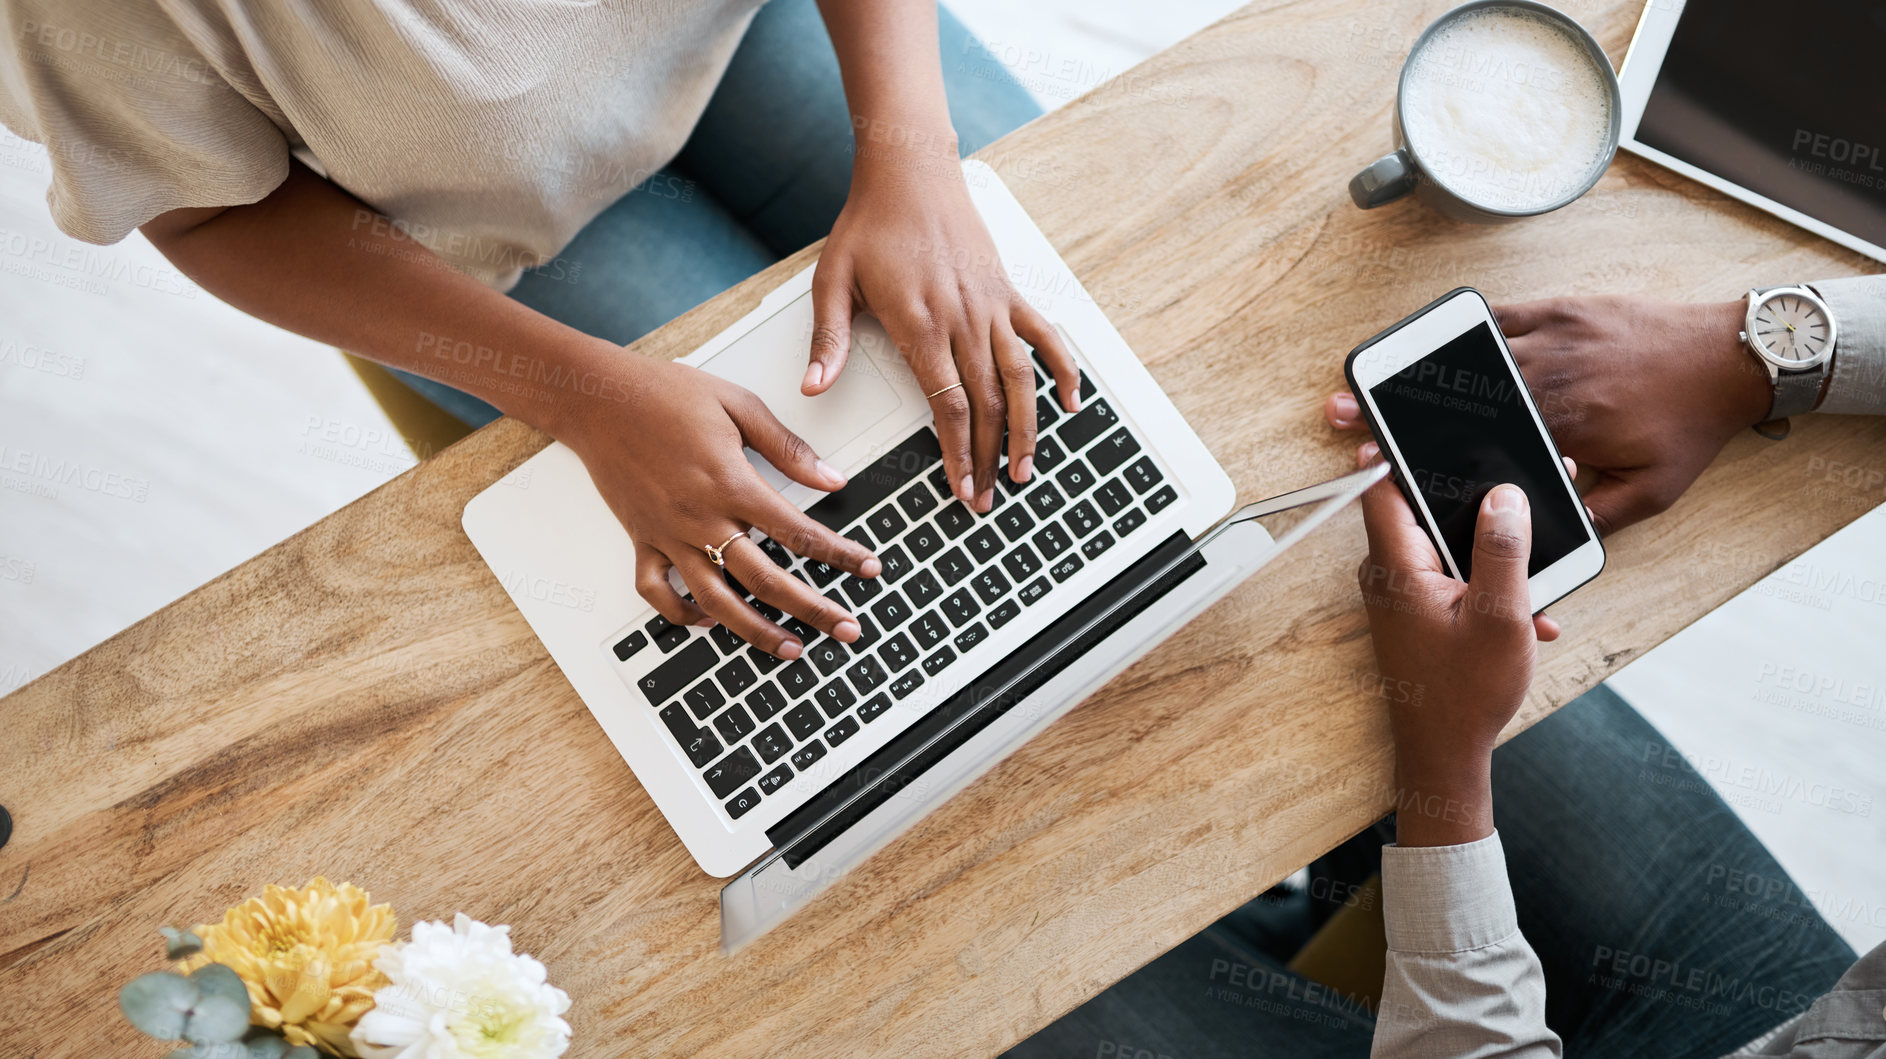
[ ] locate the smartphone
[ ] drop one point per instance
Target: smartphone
(1444, 398)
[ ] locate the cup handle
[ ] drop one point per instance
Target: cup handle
(1391, 177)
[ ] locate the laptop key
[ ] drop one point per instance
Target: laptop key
(1143, 475)
(1047, 410)
(1045, 500)
(766, 701)
(971, 636)
(1082, 519)
(679, 724)
(774, 780)
(861, 589)
(1129, 522)
(725, 639)
(1086, 425)
(1013, 521)
(798, 679)
(731, 771)
(874, 707)
(875, 484)
(1004, 613)
(674, 636)
(1093, 548)
(737, 807)
(1021, 562)
(835, 698)
(886, 522)
(924, 541)
(1052, 540)
(961, 607)
(892, 612)
(922, 588)
(929, 630)
(1158, 501)
(1066, 568)
(630, 644)
(858, 536)
(821, 573)
(736, 676)
(896, 564)
(1032, 592)
(776, 552)
(701, 747)
(733, 724)
(1116, 448)
(984, 545)
(704, 698)
(904, 685)
(808, 755)
(803, 720)
(1113, 497)
(897, 653)
(772, 743)
(990, 585)
(955, 519)
(939, 661)
(917, 501)
(1048, 453)
(867, 674)
(828, 654)
(1075, 478)
(867, 634)
(953, 566)
(842, 731)
(763, 661)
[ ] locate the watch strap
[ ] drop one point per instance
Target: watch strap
(1796, 392)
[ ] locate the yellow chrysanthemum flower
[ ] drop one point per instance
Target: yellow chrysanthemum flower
(306, 956)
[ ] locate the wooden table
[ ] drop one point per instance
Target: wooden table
(363, 701)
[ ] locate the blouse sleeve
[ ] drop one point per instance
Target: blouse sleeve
(135, 119)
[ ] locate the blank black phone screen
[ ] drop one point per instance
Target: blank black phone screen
(1460, 419)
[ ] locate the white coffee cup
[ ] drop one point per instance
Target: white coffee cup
(1505, 109)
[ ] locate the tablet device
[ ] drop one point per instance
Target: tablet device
(1780, 105)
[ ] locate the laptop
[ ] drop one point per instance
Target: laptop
(981, 630)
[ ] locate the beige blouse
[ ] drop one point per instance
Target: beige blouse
(490, 131)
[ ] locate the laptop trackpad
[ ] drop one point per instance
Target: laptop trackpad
(770, 360)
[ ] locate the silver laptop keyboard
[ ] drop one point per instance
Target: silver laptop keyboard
(751, 722)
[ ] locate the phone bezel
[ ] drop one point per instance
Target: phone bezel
(1434, 325)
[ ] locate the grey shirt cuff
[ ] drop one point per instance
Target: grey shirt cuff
(1858, 386)
(1444, 899)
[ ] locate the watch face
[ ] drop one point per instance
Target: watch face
(1791, 328)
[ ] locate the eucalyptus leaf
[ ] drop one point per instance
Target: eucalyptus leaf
(221, 1011)
(158, 1003)
(258, 1043)
(180, 944)
(301, 1051)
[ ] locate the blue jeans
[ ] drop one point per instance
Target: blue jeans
(763, 175)
(1614, 845)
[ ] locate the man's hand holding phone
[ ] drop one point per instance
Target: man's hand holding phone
(1469, 646)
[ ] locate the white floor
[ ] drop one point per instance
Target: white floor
(151, 438)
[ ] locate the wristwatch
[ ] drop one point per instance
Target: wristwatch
(1791, 331)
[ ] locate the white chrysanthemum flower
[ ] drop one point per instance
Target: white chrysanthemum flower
(459, 992)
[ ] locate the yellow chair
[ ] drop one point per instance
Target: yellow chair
(1349, 954)
(423, 426)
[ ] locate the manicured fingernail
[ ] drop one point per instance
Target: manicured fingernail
(870, 567)
(1024, 470)
(1508, 498)
(966, 489)
(1370, 450)
(986, 501)
(1345, 407)
(707, 623)
(814, 374)
(830, 474)
(846, 631)
(790, 650)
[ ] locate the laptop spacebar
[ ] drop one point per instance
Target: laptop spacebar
(899, 762)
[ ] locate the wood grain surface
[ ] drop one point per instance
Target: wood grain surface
(362, 700)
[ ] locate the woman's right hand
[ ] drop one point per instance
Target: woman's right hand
(669, 462)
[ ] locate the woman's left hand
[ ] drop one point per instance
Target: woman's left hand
(910, 249)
